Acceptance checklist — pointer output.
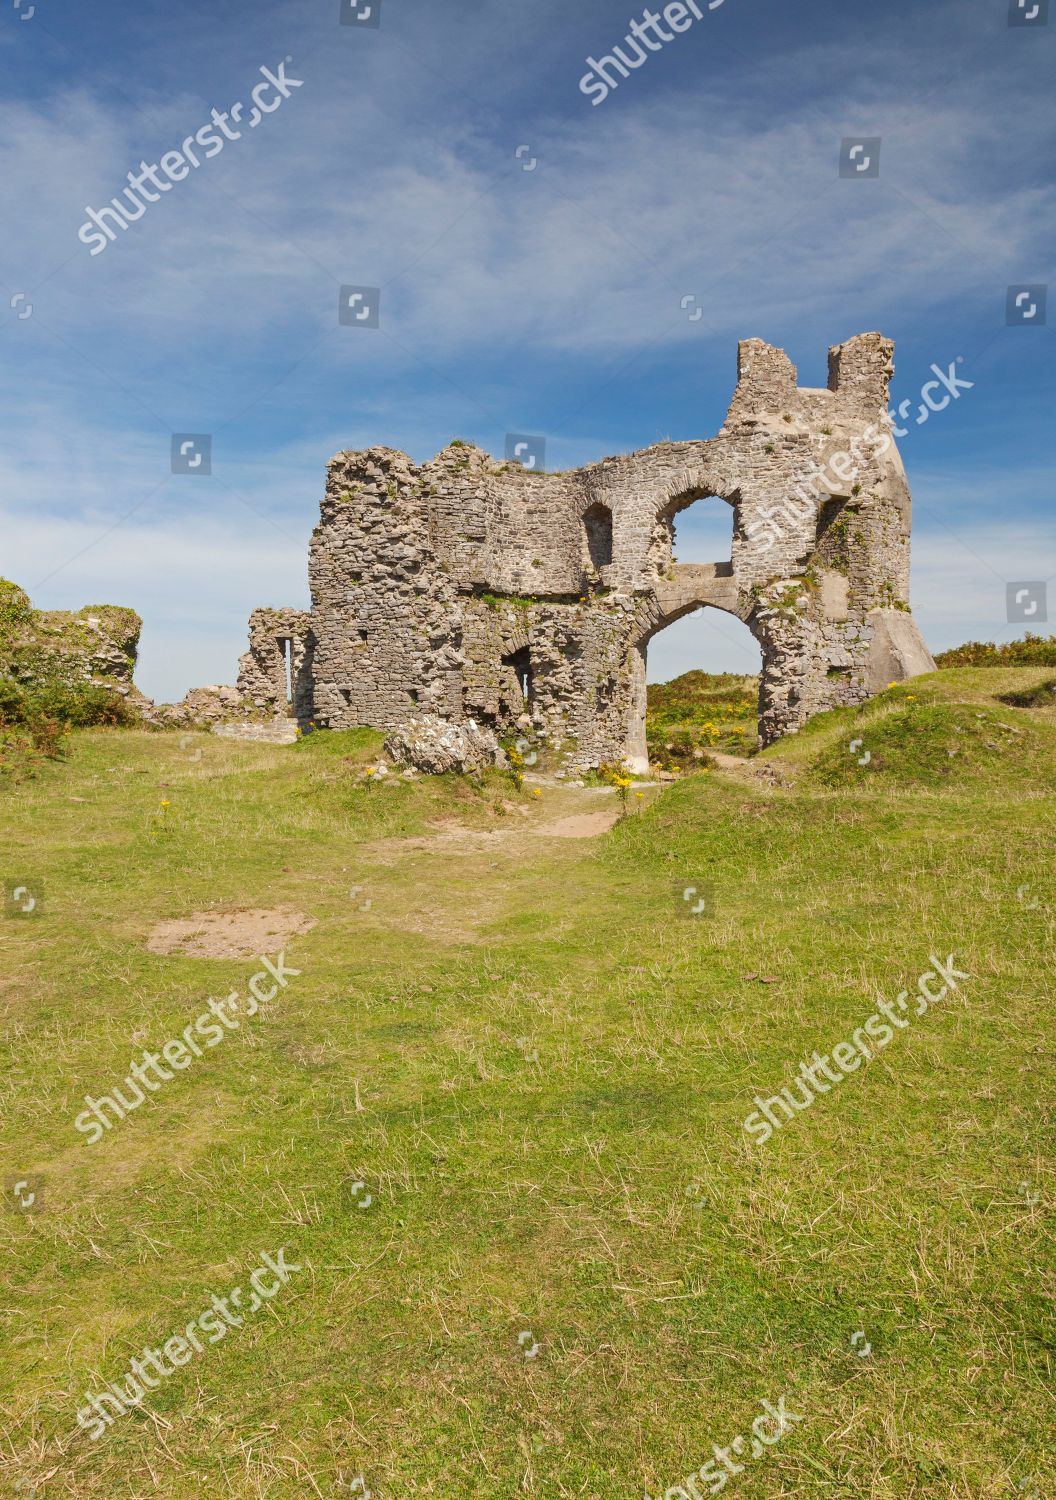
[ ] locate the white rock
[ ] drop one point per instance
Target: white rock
(435, 745)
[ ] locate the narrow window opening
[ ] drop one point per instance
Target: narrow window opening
(286, 648)
(597, 522)
(521, 664)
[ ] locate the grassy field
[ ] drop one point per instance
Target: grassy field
(698, 712)
(497, 1120)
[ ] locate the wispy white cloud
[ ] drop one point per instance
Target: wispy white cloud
(194, 585)
(625, 212)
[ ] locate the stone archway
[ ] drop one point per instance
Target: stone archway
(678, 590)
(426, 579)
(637, 751)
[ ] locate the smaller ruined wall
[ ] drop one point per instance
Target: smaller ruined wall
(42, 648)
(280, 643)
(581, 682)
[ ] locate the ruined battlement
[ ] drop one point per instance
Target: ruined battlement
(470, 588)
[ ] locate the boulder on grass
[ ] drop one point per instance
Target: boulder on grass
(436, 745)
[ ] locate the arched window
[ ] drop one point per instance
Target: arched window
(597, 523)
(702, 531)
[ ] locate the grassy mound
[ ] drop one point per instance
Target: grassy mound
(698, 712)
(966, 726)
(932, 744)
(1037, 695)
(356, 744)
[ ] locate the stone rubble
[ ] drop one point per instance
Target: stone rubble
(435, 745)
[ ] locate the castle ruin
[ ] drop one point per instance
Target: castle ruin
(471, 589)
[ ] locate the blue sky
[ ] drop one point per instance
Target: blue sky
(543, 301)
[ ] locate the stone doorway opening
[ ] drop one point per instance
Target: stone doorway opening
(286, 652)
(520, 663)
(702, 642)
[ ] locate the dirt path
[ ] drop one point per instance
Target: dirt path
(457, 882)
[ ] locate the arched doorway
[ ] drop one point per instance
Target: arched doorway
(695, 638)
(702, 673)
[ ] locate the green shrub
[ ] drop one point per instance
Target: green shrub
(1031, 651)
(79, 705)
(35, 721)
(697, 712)
(15, 608)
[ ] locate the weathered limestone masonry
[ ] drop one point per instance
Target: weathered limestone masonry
(277, 668)
(475, 590)
(95, 646)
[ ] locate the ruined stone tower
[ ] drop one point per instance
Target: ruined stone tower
(477, 590)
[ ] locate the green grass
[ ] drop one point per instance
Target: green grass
(604, 1196)
(698, 712)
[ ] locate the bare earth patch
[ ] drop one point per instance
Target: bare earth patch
(245, 933)
(580, 825)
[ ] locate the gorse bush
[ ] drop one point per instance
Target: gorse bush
(35, 721)
(697, 712)
(79, 705)
(1031, 651)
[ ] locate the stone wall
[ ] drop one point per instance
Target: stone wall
(275, 674)
(97, 646)
(468, 588)
(40, 648)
